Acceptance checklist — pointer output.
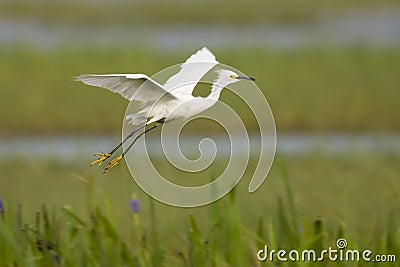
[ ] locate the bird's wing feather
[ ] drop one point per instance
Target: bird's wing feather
(127, 85)
(196, 66)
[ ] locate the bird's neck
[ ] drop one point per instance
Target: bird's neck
(216, 90)
(213, 97)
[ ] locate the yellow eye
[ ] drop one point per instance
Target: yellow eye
(233, 76)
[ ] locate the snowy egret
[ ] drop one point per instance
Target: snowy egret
(162, 103)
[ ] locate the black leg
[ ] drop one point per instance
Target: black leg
(105, 156)
(119, 158)
(125, 139)
(138, 136)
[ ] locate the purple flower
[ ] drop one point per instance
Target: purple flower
(1, 206)
(135, 205)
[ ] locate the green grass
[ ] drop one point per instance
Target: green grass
(307, 202)
(353, 90)
(182, 12)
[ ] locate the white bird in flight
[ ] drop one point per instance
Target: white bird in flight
(162, 103)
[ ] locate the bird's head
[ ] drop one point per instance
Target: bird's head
(229, 77)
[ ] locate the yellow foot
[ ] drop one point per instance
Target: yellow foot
(102, 157)
(113, 163)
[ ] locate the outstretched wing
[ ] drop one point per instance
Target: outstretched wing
(127, 85)
(183, 83)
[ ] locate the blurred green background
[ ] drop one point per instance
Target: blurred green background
(323, 67)
(326, 69)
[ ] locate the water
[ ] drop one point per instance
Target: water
(69, 148)
(355, 28)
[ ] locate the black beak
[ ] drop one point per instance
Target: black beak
(246, 78)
